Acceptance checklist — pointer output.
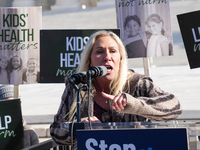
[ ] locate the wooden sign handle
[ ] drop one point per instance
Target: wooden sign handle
(16, 91)
(146, 66)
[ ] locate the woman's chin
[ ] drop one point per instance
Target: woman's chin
(107, 78)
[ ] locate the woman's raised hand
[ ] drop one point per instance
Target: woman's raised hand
(118, 101)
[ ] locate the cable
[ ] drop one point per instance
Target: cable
(72, 129)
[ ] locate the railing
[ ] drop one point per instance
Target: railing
(47, 145)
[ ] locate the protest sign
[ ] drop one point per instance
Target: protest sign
(19, 44)
(145, 27)
(60, 52)
(190, 30)
(11, 129)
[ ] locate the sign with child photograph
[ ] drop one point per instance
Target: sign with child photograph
(11, 129)
(19, 44)
(60, 52)
(190, 30)
(145, 27)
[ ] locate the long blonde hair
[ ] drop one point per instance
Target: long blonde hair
(118, 83)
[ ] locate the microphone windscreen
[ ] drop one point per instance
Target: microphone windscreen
(104, 70)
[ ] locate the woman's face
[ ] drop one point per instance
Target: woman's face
(105, 52)
(15, 62)
(132, 28)
(154, 27)
(3, 63)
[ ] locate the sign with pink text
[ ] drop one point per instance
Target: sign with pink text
(145, 27)
(190, 30)
(19, 44)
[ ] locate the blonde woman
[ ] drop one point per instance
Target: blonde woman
(119, 96)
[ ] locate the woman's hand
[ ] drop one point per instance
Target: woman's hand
(118, 101)
(93, 119)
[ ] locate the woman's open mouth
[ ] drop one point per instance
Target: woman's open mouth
(109, 69)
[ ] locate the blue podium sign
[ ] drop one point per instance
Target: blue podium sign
(133, 139)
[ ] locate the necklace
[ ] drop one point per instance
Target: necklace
(104, 105)
(101, 99)
(106, 101)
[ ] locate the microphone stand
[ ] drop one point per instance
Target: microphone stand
(89, 81)
(79, 125)
(84, 88)
(78, 102)
(74, 126)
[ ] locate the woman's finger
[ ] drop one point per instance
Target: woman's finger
(118, 101)
(111, 97)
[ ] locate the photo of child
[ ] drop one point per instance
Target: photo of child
(16, 70)
(145, 29)
(135, 40)
(31, 75)
(4, 72)
(17, 46)
(158, 43)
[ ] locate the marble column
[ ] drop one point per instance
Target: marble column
(3, 3)
(44, 3)
(66, 4)
(88, 3)
(23, 3)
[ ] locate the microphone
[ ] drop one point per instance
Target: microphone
(95, 72)
(79, 78)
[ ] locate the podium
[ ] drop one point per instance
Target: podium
(165, 135)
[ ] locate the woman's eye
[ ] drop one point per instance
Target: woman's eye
(99, 51)
(113, 51)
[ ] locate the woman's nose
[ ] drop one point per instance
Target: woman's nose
(107, 56)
